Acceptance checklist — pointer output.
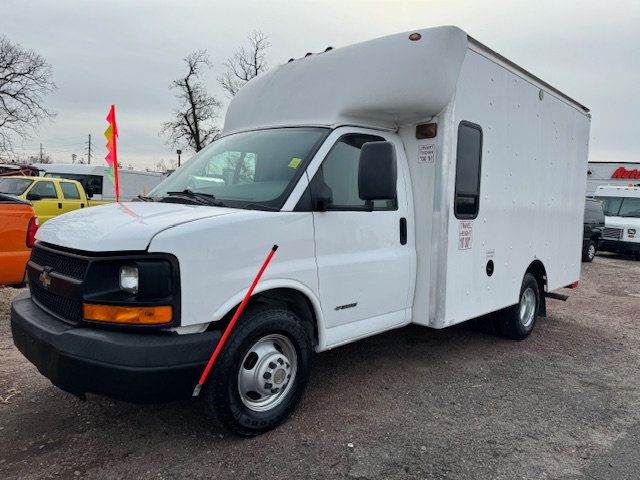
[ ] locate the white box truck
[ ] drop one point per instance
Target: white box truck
(417, 178)
(621, 232)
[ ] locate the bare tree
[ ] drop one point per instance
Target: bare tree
(46, 158)
(194, 121)
(165, 165)
(25, 78)
(245, 64)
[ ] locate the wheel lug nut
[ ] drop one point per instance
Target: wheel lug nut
(272, 365)
(274, 390)
(280, 361)
(268, 385)
(267, 375)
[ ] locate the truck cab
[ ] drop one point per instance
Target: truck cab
(622, 219)
(593, 226)
(384, 173)
(49, 196)
(17, 231)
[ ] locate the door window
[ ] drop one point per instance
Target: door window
(339, 173)
(88, 181)
(468, 163)
(70, 191)
(44, 189)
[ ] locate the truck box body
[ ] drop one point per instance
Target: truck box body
(419, 177)
(533, 165)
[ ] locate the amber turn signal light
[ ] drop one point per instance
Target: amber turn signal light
(128, 315)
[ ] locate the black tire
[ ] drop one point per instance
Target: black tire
(589, 251)
(510, 323)
(221, 392)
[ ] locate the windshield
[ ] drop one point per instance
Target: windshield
(247, 169)
(14, 186)
(621, 206)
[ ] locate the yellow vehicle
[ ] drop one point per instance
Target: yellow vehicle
(49, 196)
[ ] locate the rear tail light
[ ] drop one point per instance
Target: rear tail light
(574, 285)
(32, 228)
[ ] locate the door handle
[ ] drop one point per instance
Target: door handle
(403, 231)
(59, 204)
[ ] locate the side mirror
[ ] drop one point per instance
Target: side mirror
(377, 172)
(89, 192)
(33, 196)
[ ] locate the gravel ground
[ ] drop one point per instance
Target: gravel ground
(412, 403)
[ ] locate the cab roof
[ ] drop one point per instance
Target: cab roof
(618, 191)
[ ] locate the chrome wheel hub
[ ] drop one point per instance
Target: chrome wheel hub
(527, 307)
(267, 372)
(592, 251)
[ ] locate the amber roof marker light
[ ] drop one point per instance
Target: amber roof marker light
(414, 37)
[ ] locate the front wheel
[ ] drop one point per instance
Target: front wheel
(517, 322)
(262, 372)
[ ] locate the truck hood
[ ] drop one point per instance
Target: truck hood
(121, 226)
(622, 222)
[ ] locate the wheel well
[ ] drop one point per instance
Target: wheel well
(289, 298)
(536, 268)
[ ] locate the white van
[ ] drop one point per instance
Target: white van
(95, 182)
(417, 178)
(621, 232)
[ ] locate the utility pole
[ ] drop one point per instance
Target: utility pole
(179, 152)
(41, 153)
(89, 151)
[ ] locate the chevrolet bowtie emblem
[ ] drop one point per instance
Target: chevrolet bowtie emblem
(45, 279)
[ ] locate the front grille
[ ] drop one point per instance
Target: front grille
(59, 262)
(66, 308)
(60, 303)
(612, 233)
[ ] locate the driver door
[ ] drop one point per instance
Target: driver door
(363, 257)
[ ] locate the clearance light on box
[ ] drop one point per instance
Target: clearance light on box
(128, 315)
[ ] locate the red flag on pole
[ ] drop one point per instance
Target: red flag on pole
(111, 134)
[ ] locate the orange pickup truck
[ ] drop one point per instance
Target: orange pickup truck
(17, 231)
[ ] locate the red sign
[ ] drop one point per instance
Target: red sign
(624, 173)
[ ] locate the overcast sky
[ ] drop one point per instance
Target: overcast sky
(127, 53)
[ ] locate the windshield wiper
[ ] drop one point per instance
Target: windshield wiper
(202, 198)
(143, 198)
(259, 206)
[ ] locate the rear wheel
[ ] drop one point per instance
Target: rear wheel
(517, 322)
(589, 251)
(261, 375)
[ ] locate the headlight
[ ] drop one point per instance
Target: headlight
(129, 278)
